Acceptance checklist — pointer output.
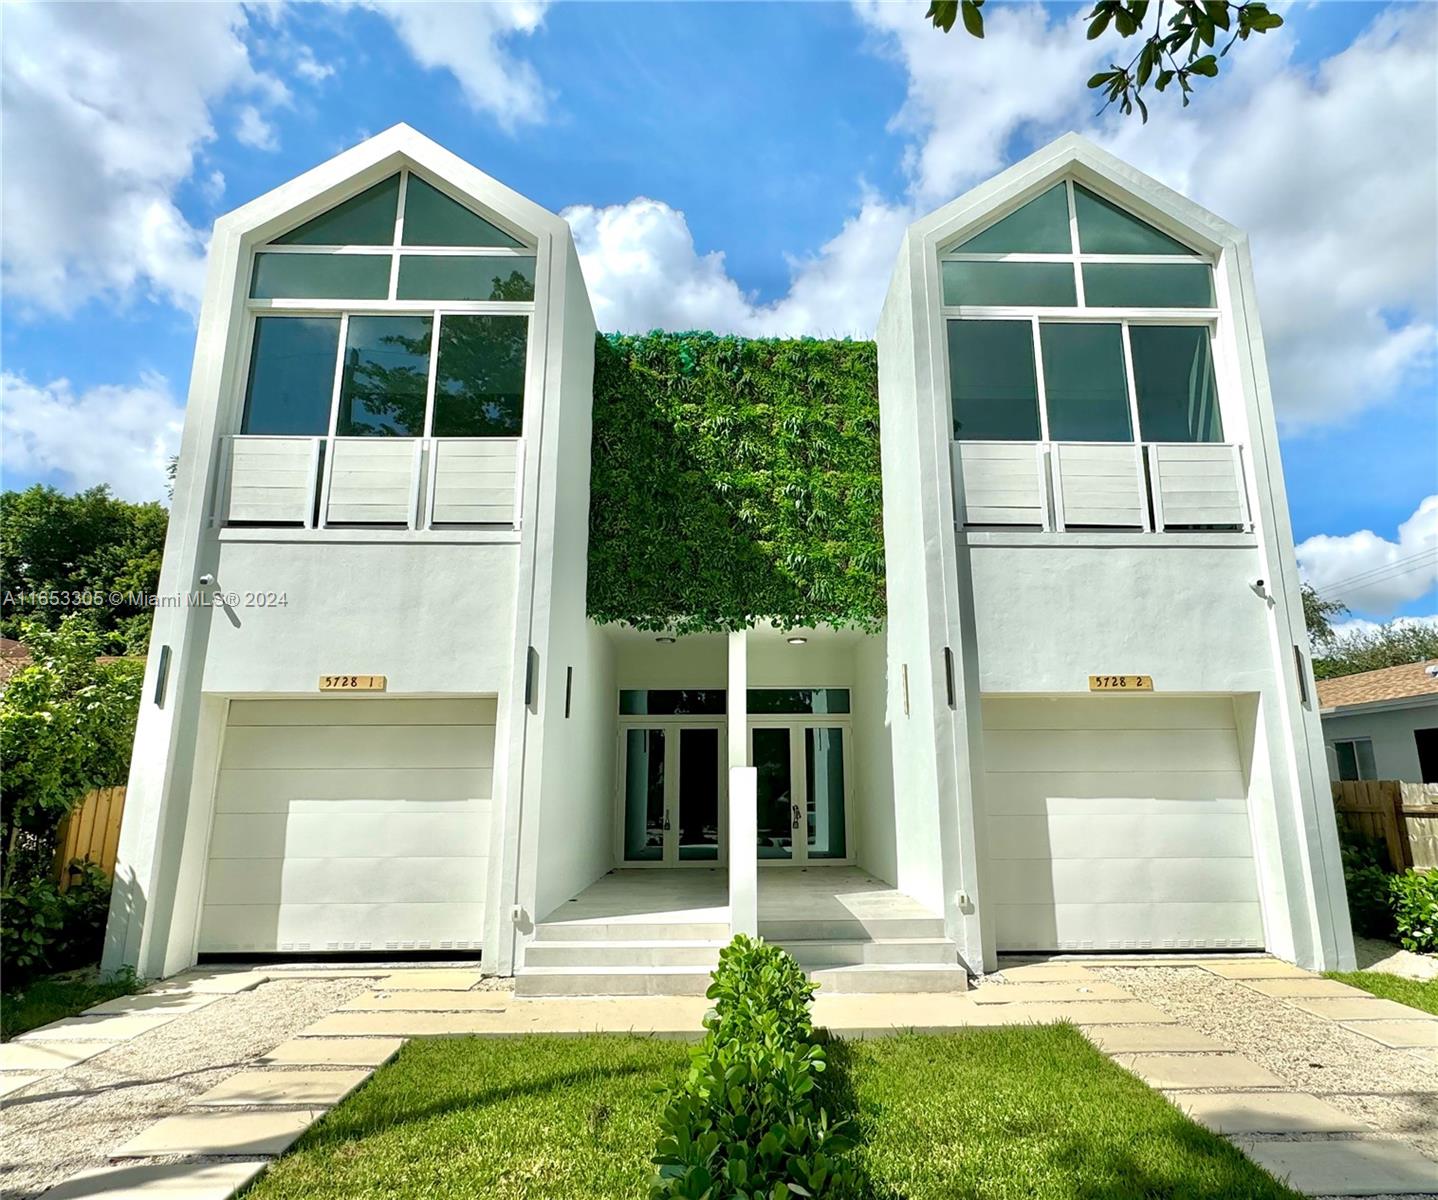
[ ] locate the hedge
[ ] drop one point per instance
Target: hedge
(735, 480)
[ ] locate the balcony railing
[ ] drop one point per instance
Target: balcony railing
(347, 482)
(1060, 486)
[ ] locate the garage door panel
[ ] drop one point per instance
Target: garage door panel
(323, 928)
(1098, 793)
(367, 789)
(386, 880)
(358, 746)
(1201, 835)
(1110, 712)
(1118, 880)
(353, 710)
(463, 833)
(1123, 751)
(1077, 926)
(1117, 823)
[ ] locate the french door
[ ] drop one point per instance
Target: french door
(803, 790)
(673, 783)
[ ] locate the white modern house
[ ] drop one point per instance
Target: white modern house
(1383, 724)
(391, 726)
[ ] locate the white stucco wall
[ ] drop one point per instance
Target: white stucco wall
(1395, 753)
(433, 618)
(873, 705)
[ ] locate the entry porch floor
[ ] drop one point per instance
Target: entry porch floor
(698, 895)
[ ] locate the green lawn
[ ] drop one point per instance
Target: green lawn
(1421, 994)
(56, 996)
(985, 1113)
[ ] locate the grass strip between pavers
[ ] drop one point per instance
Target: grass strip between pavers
(1421, 994)
(984, 1113)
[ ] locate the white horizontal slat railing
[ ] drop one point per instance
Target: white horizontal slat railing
(1136, 486)
(350, 482)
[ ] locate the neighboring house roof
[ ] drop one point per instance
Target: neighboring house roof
(13, 656)
(1410, 681)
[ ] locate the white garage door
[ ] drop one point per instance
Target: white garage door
(1118, 823)
(350, 825)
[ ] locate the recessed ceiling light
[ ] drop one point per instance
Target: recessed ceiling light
(666, 640)
(797, 641)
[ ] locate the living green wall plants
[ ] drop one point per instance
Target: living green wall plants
(735, 480)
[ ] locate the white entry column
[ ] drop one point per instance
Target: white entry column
(743, 796)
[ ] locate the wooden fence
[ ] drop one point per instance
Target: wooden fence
(1403, 816)
(91, 832)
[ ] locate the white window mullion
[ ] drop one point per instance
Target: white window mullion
(1132, 385)
(398, 236)
(1039, 379)
(433, 375)
(339, 378)
(1140, 454)
(1074, 242)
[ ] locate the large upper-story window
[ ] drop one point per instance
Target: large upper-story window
(400, 312)
(1072, 320)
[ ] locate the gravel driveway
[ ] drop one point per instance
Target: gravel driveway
(70, 1121)
(1394, 1090)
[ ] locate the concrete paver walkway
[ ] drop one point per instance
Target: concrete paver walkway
(227, 1131)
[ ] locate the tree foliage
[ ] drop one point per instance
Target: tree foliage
(1185, 46)
(1392, 645)
(1318, 615)
(735, 480)
(67, 721)
(70, 547)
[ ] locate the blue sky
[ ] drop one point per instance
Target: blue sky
(745, 167)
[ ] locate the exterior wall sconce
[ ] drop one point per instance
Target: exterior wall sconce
(797, 641)
(666, 640)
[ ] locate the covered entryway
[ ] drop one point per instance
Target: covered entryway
(350, 824)
(1118, 823)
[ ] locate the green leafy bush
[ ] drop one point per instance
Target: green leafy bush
(745, 1120)
(735, 480)
(43, 929)
(1415, 909)
(1366, 875)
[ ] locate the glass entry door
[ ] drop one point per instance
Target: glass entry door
(673, 794)
(802, 791)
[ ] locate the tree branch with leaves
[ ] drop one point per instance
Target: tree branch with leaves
(1176, 50)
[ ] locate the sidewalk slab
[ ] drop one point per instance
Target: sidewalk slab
(221, 1134)
(1198, 1071)
(1151, 1039)
(1366, 1008)
(162, 1181)
(332, 1052)
(220, 983)
(1048, 973)
(49, 1056)
(285, 1087)
(1313, 985)
(170, 1002)
(1084, 1012)
(413, 1000)
(1352, 1167)
(440, 979)
(857, 1014)
(681, 1015)
(1025, 993)
(1402, 1035)
(113, 1027)
(13, 1081)
(1265, 1112)
(1258, 968)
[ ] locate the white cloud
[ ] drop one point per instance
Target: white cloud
(120, 435)
(1371, 574)
(254, 131)
(1346, 629)
(471, 42)
(308, 67)
(106, 109)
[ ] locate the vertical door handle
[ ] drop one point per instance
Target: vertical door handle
(798, 817)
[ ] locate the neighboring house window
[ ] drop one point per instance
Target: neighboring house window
(414, 322)
(1355, 759)
(1072, 320)
(1426, 741)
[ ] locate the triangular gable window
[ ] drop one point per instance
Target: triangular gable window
(1105, 228)
(363, 220)
(432, 219)
(1039, 227)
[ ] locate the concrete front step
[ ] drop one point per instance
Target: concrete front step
(850, 929)
(632, 931)
(634, 980)
(814, 954)
(660, 952)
